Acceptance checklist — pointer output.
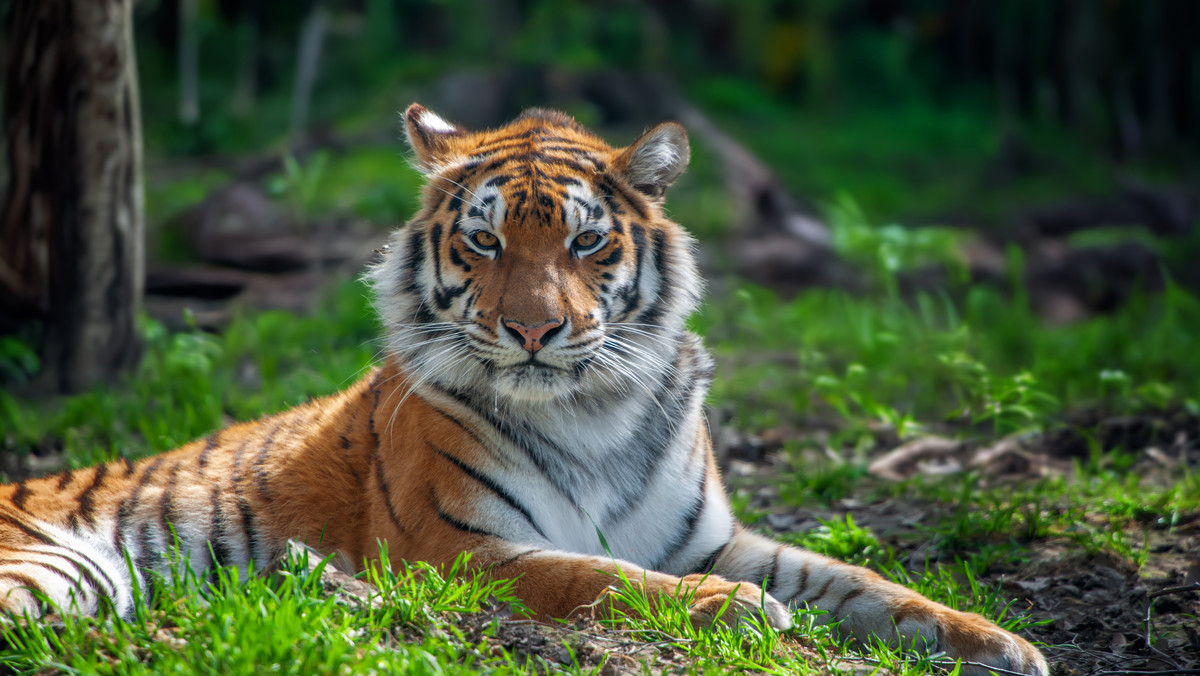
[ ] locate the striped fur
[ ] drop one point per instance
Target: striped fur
(540, 388)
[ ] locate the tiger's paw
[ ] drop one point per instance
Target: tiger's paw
(981, 645)
(715, 599)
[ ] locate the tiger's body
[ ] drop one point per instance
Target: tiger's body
(540, 388)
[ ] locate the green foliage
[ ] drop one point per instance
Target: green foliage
(986, 362)
(18, 360)
(299, 184)
(376, 183)
(283, 623)
(751, 645)
(844, 541)
(886, 251)
(189, 384)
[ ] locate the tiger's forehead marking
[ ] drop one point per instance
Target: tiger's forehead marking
(542, 174)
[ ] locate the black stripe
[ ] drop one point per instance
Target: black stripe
(86, 571)
(456, 523)
(634, 202)
(845, 599)
(478, 440)
(209, 444)
(545, 160)
(261, 477)
(631, 292)
(414, 260)
(87, 506)
(435, 245)
(606, 192)
(44, 566)
(540, 449)
(150, 469)
(456, 205)
(146, 548)
(444, 296)
(578, 152)
(492, 486)
(28, 530)
(802, 580)
(824, 588)
(513, 559)
(218, 550)
(242, 503)
(662, 298)
(377, 461)
(21, 495)
(707, 564)
(689, 524)
(613, 257)
(166, 506)
(23, 580)
(773, 576)
(457, 259)
(129, 505)
(253, 546)
(65, 479)
(760, 575)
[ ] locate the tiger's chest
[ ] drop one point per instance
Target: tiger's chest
(621, 493)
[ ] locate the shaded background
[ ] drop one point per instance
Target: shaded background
(1029, 122)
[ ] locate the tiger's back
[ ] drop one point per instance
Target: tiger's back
(540, 406)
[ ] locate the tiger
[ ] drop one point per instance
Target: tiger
(539, 405)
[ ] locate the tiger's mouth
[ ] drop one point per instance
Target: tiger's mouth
(535, 363)
(534, 381)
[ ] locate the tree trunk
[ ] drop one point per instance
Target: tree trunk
(308, 61)
(189, 64)
(71, 233)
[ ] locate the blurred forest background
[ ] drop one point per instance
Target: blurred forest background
(950, 245)
(270, 130)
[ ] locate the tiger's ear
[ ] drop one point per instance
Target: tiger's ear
(655, 159)
(430, 137)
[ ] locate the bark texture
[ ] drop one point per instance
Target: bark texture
(71, 234)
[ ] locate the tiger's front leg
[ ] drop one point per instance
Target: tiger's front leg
(870, 607)
(557, 584)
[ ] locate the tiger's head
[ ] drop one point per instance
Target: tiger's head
(540, 265)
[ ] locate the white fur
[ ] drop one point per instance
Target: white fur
(433, 123)
(659, 157)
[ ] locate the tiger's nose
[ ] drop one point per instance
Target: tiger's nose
(533, 338)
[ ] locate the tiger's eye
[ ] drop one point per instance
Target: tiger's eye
(484, 239)
(587, 239)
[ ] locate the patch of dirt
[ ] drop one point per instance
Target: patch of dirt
(1105, 616)
(1102, 613)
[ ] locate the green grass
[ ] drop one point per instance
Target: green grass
(191, 383)
(283, 623)
(974, 356)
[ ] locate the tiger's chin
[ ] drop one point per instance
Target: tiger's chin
(535, 383)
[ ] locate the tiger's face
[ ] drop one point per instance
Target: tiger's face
(540, 266)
